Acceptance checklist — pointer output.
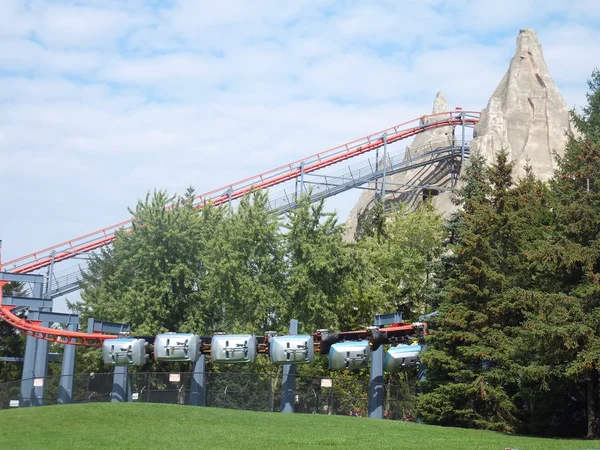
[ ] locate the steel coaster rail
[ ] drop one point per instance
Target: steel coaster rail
(281, 202)
(105, 236)
(333, 156)
(35, 329)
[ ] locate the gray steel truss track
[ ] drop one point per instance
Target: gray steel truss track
(322, 186)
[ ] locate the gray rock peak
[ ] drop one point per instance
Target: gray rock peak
(526, 114)
(436, 137)
(440, 104)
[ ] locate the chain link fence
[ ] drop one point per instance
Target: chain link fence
(243, 391)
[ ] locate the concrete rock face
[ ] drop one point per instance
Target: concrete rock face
(438, 137)
(526, 116)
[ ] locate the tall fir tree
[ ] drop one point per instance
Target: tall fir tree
(472, 379)
(572, 256)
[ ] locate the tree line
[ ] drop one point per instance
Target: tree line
(249, 270)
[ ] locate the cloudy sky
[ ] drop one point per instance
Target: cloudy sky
(104, 100)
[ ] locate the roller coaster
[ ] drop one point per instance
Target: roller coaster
(346, 350)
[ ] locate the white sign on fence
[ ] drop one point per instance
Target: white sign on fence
(174, 377)
(14, 403)
(326, 382)
(135, 396)
(38, 382)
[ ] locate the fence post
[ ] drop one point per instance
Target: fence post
(198, 387)
(288, 396)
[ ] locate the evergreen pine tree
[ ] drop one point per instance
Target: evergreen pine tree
(573, 255)
(471, 376)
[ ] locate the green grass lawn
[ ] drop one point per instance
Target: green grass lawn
(156, 426)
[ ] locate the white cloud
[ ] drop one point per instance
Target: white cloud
(571, 52)
(78, 26)
(15, 20)
(101, 102)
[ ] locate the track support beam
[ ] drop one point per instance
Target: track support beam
(288, 396)
(198, 383)
(67, 375)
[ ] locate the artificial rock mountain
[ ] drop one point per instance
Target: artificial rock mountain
(526, 116)
(408, 187)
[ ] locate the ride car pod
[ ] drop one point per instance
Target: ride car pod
(401, 357)
(349, 355)
(177, 347)
(233, 348)
(124, 352)
(291, 349)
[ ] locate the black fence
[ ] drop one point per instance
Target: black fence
(244, 391)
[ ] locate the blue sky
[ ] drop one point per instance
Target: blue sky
(101, 101)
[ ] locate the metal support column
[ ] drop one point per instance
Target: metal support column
(453, 175)
(302, 178)
(198, 387)
(384, 168)
(422, 375)
(376, 169)
(50, 276)
(229, 194)
(288, 396)
(40, 367)
(65, 389)
(41, 361)
(27, 375)
(376, 389)
(462, 144)
(119, 392)
(40, 370)
(296, 191)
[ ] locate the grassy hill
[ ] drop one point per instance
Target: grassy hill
(159, 426)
